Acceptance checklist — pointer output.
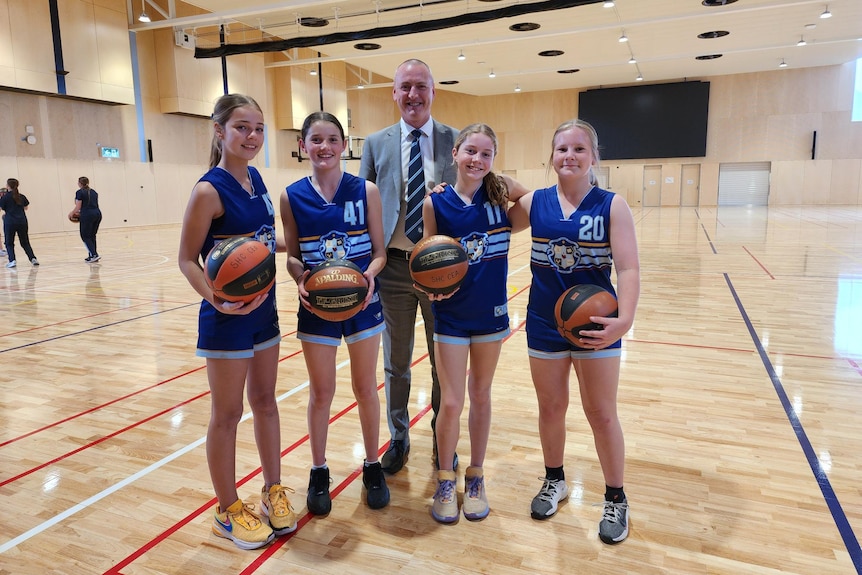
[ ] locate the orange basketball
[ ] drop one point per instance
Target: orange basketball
(240, 269)
(336, 289)
(576, 305)
(438, 264)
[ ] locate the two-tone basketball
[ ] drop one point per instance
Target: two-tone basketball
(438, 264)
(577, 304)
(336, 289)
(240, 269)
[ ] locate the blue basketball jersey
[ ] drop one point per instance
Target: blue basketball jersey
(484, 231)
(332, 230)
(567, 250)
(250, 215)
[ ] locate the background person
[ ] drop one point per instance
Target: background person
(90, 216)
(14, 205)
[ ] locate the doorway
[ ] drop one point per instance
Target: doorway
(689, 194)
(652, 186)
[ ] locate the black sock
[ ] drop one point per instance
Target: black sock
(614, 494)
(554, 473)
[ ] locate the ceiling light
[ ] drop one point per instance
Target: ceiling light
(623, 38)
(632, 60)
(826, 13)
(801, 42)
(783, 64)
(639, 78)
(609, 4)
(517, 87)
(461, 56)
(492, 74)
(313, 72)
(144, 17)
(360, 87)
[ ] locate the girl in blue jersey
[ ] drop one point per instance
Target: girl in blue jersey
(333, 215)
(579, 232)
(473, 320)
(239, 341)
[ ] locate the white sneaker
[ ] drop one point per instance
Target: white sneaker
(12, 264)
(545, 503)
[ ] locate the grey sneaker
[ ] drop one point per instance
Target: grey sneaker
(614, 526)
(545, 503)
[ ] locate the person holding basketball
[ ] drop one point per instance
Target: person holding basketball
(89, 217)
(332, 215)
(579, 231)
(472, 321)
(240, 341)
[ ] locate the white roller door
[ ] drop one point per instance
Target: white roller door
(743, 184)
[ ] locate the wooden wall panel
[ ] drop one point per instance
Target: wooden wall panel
(33, 62)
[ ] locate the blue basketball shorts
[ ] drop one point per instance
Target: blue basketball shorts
(545, 342)
(366, 323)
(225, 336)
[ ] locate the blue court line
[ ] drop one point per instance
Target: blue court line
(838, 515)
(706, 233)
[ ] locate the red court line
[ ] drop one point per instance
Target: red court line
(116, 569)
(758, 263)
(127, 396)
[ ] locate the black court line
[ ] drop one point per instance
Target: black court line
(98, 327)
(841, 522)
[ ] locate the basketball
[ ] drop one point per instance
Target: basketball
(239, 269)
(576, 305)
(336, 289)
(438, 264)
(74, 216)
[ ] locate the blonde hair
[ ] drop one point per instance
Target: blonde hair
(591, 136)
(495, 186)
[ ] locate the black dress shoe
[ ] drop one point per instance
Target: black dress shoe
(395, 457)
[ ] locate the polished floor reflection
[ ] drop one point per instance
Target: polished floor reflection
(739, 396)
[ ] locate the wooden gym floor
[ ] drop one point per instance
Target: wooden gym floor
(739, 398)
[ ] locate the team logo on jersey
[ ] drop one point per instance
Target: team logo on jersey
(266, 235)
(476, 245)
(563, 254)
(334, 246)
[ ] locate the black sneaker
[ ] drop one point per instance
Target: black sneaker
(318, 500)
(395, 457)
(377, 495)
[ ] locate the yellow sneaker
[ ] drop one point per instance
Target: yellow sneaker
(275, 505)
(241, 524)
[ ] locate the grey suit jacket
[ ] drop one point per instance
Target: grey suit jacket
(381, 164)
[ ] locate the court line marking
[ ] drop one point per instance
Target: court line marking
(820, 475)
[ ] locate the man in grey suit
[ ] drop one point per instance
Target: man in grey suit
(385, 158)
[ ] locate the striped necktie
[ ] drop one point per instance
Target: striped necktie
(415, 191)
